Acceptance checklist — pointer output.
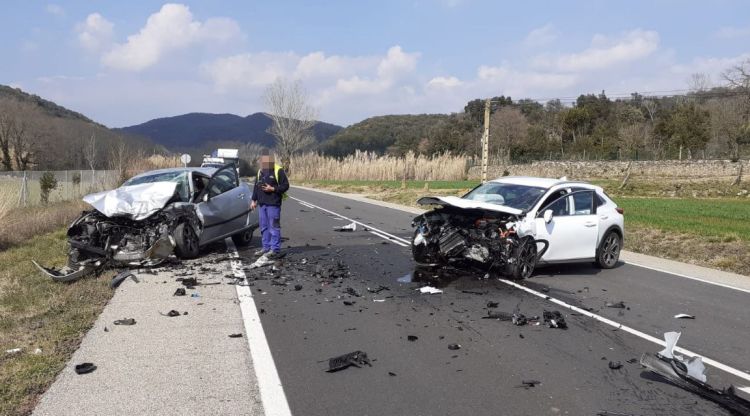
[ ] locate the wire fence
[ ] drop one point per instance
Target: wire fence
(24, 189)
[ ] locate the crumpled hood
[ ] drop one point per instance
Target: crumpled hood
(136, 201)
(466, 204)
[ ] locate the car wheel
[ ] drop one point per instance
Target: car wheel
(422, 253)
(243, 238)
(186, 241)
(524, 257)
(608, 252)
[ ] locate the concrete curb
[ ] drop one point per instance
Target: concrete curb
(676, 268)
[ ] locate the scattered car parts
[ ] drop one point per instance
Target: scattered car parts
(85, 368)
(356, 358)
(688, 373)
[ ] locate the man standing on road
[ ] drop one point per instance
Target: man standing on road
(270, 189)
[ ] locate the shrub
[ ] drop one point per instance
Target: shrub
(47, 183)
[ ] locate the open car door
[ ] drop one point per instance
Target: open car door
(224, 205)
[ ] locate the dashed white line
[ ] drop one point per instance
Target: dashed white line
(390, 237)
(739, 373)
(271, 391)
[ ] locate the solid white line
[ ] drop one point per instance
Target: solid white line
(389, 239)
(739, 373)
(688, 277)
(307, 205)
(354, 221)
(271, 392)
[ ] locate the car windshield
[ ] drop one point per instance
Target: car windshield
(176, 176)
(507, 194)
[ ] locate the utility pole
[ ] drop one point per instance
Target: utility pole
(486, 141)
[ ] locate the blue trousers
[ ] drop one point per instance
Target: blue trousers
(270, 227)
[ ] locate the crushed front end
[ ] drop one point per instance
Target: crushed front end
(490, 239)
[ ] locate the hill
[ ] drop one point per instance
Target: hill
(394, 133)
(195, 130)
(38, 134)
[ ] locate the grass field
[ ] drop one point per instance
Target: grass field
(712, 232)
(46, 320)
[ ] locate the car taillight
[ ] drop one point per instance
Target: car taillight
(620, 210)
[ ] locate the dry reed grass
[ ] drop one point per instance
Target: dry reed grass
(143, 164)
(21, 224)
(8, 196)
(370, 166)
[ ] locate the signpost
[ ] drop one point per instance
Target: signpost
(185, 159)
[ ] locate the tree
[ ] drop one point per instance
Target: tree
(687, 127)
(508, 130)
(47, 183)
(7, 127)
(292, 116)
(699, 82)
(89, 153)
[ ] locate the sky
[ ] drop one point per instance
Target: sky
(126, 62)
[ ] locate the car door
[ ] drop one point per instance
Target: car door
(573, 231)
(226, 207)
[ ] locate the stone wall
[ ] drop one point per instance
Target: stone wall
(653, 169)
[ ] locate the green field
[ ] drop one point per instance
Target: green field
(725, 218)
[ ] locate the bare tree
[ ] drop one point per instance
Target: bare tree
(292, 115)
(24, 142)
(7, 127)
(118, 159)
(89, 153)
(508, 128)
(699, 82)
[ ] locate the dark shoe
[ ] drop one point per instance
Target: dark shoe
(260, 252)
(273, 255)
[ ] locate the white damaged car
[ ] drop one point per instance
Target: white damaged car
(511, 224)
(157, 214)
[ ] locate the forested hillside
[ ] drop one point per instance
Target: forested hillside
(37, 134)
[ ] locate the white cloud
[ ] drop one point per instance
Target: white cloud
(94, 33)
(731, 32)
(541, 36)
(444, 82)
(604, 53)
(396, 63)
(317, 64)
(55, 10)
(250, 70)
(171, 28)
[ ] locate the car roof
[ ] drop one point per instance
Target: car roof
(538, 182)
(205, 171)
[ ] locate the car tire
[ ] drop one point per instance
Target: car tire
(244, 238)
(608, 252)
(186, 241)
(422, 253)
(524, 256)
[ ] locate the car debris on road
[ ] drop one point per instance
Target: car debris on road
(356, 359)
(688, 373)
(85, 368)
(684, 316)
(346, 228)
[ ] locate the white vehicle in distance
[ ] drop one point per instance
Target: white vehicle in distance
(511, 224)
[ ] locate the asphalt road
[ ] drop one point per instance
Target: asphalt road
(306, 325)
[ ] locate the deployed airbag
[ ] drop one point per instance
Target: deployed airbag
(136, 201)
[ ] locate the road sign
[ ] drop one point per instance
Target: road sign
(185, 159)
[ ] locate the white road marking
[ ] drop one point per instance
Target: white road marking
(385, 237)
(744, 389)
(271, 391)
(739, 373)
(306, 205)
(390, 237)
(688, 277)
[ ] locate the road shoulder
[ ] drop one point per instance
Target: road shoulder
(163, 365)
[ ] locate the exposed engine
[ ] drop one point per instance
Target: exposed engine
(97, 240)
(450, 235)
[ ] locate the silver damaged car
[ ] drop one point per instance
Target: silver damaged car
(155, 215)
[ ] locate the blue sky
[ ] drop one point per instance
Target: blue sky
(125, 62)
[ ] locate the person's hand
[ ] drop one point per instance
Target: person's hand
(268, 188)
(253, 205)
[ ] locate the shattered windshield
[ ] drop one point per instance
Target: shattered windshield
(180, 177)
(510, 195)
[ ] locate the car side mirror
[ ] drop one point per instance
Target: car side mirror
(547, 216)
